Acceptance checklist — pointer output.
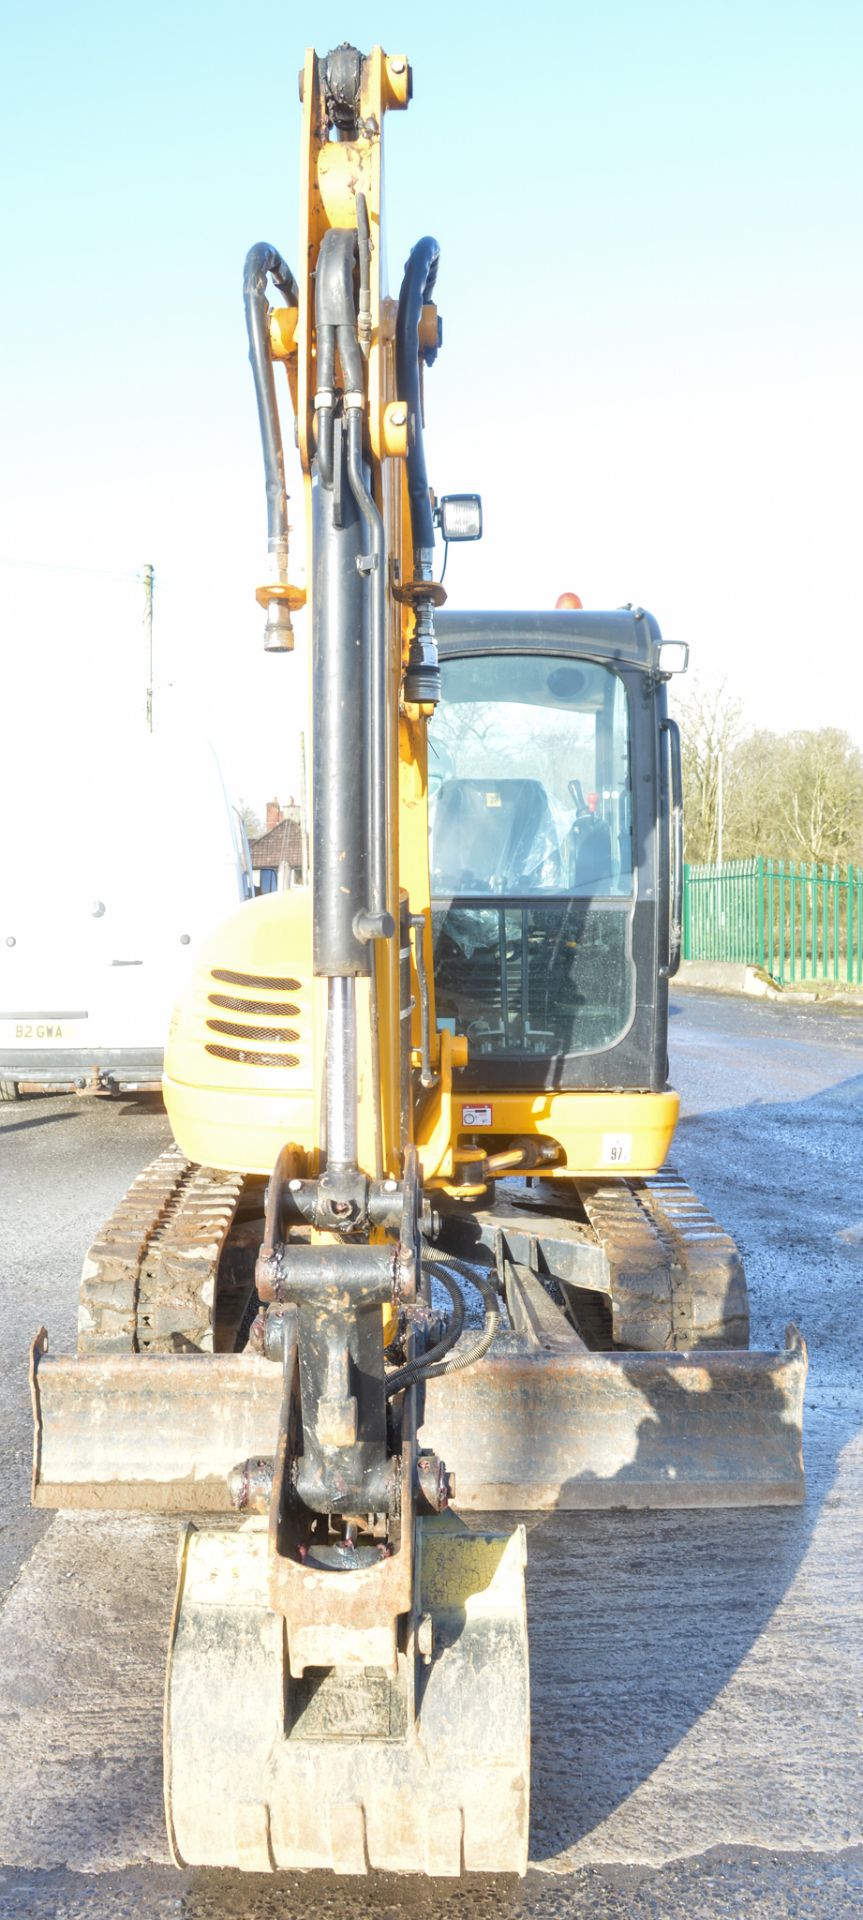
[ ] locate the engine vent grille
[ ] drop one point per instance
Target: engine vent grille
(232, 1004)
(245, 1059)
(267, 1024)
(255, 980)
(251, 1033)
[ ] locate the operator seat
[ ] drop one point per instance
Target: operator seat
(494, 836)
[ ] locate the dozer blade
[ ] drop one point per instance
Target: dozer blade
(150, 1433)
(340, 1769)
(526, 1429)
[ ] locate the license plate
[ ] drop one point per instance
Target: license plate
(45, 1030)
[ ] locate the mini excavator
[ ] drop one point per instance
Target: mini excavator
(416, 1261)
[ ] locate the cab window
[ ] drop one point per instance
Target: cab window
(530, 853)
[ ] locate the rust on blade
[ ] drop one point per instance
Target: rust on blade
(159, 1433)
(526, 1429)
(538, 1430)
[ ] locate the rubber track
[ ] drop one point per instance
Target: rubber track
(677, 1279)
(710, 1295)
(639, 1268)
(148, 1280)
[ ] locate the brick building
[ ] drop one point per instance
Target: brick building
(279, 855)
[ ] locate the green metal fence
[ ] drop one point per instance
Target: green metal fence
(797, 921)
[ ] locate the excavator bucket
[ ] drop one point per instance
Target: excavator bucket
(424, 1769)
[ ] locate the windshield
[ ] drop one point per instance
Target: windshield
(530, 852)
(529, 778)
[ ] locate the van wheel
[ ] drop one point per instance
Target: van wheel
(8, 1090)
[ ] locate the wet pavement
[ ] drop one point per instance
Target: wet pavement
(697, 1678)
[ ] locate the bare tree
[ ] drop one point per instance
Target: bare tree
(796, 796)
(710, 718)
(250, 820)
(752, 788)
(822, 796)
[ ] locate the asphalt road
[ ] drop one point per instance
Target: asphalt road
(697, 1678)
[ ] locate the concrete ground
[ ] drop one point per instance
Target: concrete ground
(697, 1678)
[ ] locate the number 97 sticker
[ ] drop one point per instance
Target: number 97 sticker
(616, 1149)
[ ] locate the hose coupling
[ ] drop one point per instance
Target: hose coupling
(422, 674)
(278, 628)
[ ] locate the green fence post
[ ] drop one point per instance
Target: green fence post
(804, 928)
(849, 927)
(781, 930)
(760, 896)
(792, 918)
(687, 912)
(858, 889)
(835, 921)
(813, 971)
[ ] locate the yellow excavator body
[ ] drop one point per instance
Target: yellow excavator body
(244, 1055)
(417, 1254)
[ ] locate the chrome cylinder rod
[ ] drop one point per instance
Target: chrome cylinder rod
(341, 1072)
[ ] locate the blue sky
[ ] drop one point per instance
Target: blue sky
(652, 294)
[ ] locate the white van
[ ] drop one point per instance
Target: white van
(111, 873)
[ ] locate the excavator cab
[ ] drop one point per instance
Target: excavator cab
(555, 877)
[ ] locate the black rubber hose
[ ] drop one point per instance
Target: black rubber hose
(364, 242)
(416, 290)
(262, 263)
(408, 1373)
(335, 324)
(364, 251)
(429, 1366)
(353, 365)
(326, 374)
(335, 305)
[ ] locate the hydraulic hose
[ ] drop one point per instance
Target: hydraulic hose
(417, 287)
(439, 1359)
(262, 263)
(335, 325)
(422, 675)
(435, 1269)
(364, 251)
(325, 401)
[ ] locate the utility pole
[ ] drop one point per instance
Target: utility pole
(147, 577)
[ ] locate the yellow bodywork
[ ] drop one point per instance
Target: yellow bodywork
(245, 1056)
